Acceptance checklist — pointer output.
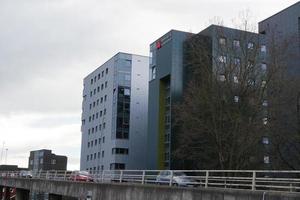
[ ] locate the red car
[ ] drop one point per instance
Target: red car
(81, 176)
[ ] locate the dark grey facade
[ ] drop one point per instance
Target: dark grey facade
(285, 27)
(165, 89)
(169, 74)
(45, 160)
(283, 30)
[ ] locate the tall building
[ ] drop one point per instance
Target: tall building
(283, 30)
(114, 114)
(165, 89)
(284, 26)
(169, 76)
(45, 160)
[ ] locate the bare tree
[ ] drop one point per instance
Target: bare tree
(224, 119)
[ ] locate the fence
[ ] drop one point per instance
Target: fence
(235, 179)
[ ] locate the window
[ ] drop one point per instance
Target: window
(250, 64)
(120, 151)
(104, 125)
(236, 43)
(127, 92)
(87, 158)
(98, 76)
(101, 101)
(222, 59)
(265, 103)
(222, 78)
(153, 73)
(98, 89)
(265, 140)
(94, 91)
(104, 111)
(92, 81)
(250, 45)
(99, 155)
(101, 113)
(102, 86)
(106, 70)
(266, 159)
(235, 79)
(102, 154)
(237, 61)
(88, 144)
(92, 143)
(103, 139)
(91, 94)
(265, 121)
(97, 102)
(90, 106)
(222, 41)
(117, 166)
(105, 97)
(236, 99)
(89, 131)
(105, 84)
(127, 77)
(53, 162)
(95, 156)
(264, 67)
(102, 73)
(263, 48)
(41, 161)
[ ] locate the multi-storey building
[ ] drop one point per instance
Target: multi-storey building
(45, 160)
(169, 76)
(114, 114)
(282, 32)
(165, 89)
(282, 27)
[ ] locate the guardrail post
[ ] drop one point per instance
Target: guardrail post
(55, 174)
(121, 176)
(206, 178)
(143, 177)
(47, 174)
(65, 175)
(102, 176)
(171, 178)
(253, 180)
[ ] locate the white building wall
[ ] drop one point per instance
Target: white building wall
(138, 115)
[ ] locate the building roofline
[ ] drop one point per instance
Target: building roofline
(280, 12)
(120, 52)
(226, 27)
(170, 31)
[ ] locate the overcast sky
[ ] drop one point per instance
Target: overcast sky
(47, 47)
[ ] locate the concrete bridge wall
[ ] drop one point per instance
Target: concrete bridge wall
(138, 192)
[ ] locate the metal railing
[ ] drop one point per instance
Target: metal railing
(288, 181)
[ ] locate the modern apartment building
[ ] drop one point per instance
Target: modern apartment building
(114, 114)
(169, 75)
(284, 26)
(165, 89)
(45, 160)
(282, 30)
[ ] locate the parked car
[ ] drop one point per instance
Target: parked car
(81, 176)
(25, 174)
(179, 179)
